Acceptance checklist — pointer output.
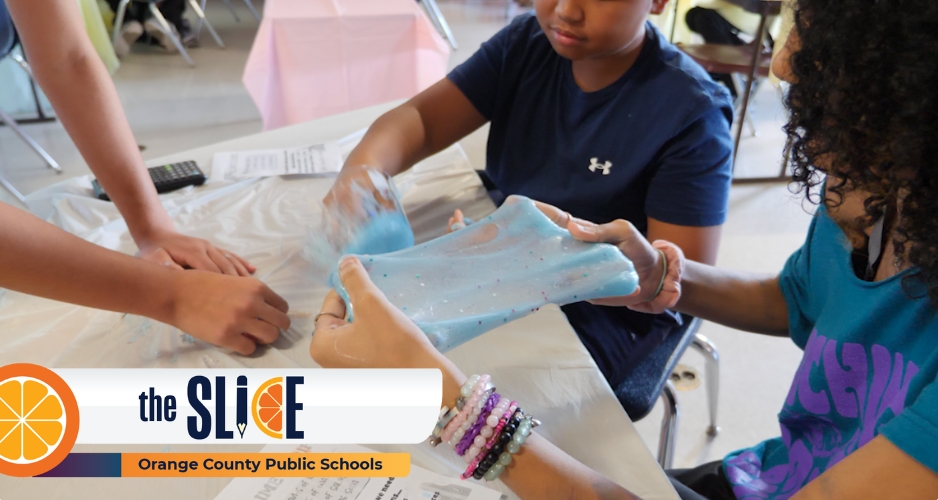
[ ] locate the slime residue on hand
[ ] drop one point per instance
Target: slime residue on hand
(497, 270)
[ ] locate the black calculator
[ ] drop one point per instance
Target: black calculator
(166, 178)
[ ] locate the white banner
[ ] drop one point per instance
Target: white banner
(185, 406)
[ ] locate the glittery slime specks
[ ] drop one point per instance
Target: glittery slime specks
(495, 271)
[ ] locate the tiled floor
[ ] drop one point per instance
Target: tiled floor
(172, 108)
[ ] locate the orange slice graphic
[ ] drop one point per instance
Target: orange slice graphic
(267, 407)
(38, 420)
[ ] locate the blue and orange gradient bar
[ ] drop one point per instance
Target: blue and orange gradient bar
(87, 465)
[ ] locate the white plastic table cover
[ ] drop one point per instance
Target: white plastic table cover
(538, 360)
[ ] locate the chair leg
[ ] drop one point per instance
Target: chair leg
(440, 22)
(738, 84)
(709, 350)
(18, 59)
(747, 87)
(169, 32)
(752, 125)
(198, 23)
(253, 10)
(201, 15)
(668, 426)
(431, 17)
(10, 122)
(232, 9)
(119, 21)
(15, 192)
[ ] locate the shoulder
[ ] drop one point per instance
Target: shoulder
(683, 81)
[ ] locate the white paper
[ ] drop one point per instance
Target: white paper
(421, 484)
(323, 158)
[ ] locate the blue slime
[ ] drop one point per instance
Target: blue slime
(384, 232)
(497, 270)
(373, 223)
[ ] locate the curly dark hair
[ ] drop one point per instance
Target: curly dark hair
(864, 107)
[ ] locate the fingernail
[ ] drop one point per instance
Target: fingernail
(348, 261)
(583, 228)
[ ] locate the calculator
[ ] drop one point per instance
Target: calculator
(166, 178)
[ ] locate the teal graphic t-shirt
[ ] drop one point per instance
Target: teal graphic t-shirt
(869, 366)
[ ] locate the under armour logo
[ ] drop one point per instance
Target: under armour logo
(605, 167)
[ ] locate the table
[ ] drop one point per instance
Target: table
(538, 359)
(314, 58)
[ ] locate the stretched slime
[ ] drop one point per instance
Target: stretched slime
(497, 270)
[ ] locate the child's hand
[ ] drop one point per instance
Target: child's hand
(381, 336)
(354, 183)
(232, 312)
(456, 222)
(644, 256)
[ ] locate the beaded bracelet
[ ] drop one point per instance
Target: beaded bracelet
(473, 397)
(483, 427)
(499, 447)
(491, 442)
(524, 429)
(487, 430)
(470, 419)
(446, 415)
(477, 425)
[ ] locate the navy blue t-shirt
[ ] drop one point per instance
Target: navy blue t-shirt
(662, 129)
(655, 143)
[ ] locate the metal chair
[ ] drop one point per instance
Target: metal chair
(8, 41)
(164, 25)
(750, 60)
(651, 380)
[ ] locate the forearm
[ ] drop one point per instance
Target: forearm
(739, 300)
(425, 125)
(39, 259)
(540, 470)
(86, 102)
(394, 142)
(95, 121)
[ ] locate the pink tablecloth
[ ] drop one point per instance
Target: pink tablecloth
(314, 58)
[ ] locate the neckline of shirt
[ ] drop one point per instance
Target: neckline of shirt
(845, 262)
(649, 46)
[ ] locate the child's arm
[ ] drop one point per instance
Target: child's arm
(39, 259)
(426, 124)
(878, 469)
(739, 300)
(698, 243)
(85, 100)
(383, 337)
(744, 301)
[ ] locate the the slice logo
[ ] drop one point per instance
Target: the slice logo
(38, 420)
(267, 407)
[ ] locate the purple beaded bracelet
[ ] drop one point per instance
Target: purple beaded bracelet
(476, 428)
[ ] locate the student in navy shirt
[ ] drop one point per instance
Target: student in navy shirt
(594, 112)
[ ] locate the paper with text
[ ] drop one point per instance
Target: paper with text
(421, 484)
(323, 158)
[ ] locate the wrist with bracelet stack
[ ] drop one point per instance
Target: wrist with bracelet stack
(483, 427)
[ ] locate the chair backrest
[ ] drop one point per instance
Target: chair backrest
(8, 37)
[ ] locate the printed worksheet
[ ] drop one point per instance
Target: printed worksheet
(421, 484)
(323, 158)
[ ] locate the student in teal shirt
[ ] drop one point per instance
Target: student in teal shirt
(869, 365)
(860, 297)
